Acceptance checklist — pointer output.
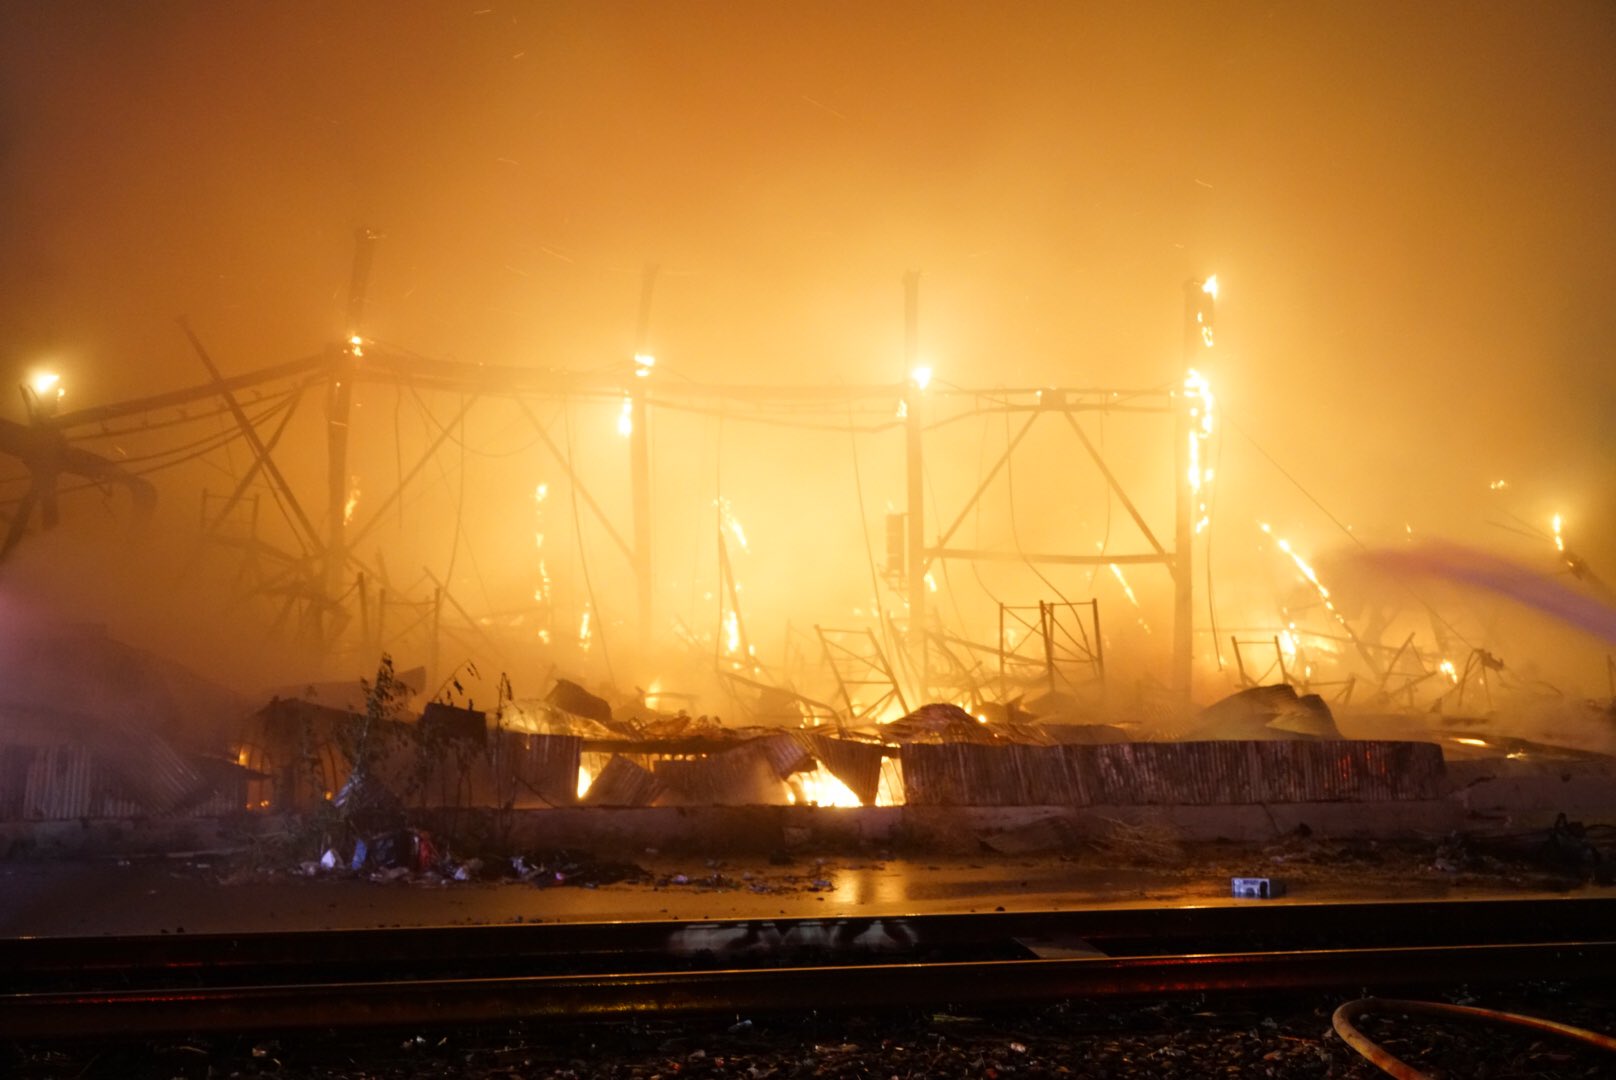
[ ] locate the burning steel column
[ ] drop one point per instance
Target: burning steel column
(914, 430)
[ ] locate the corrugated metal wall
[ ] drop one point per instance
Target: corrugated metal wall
(61, 783)
(1196, 773)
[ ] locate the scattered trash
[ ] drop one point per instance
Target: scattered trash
(1256, 888)
(328, 861)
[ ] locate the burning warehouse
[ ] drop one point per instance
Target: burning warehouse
(794, 525)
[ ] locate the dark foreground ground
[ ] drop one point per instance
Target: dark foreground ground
(1178, 1038)
(1181, 1037)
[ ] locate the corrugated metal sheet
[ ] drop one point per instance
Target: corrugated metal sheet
(1195, 773)
(740, 777)
(787, 752)
(63, 783)
(623, 783)
(524, 768)
(856, 764)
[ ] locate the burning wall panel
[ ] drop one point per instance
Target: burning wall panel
(856, 764)
(744, 776)
(623, 783)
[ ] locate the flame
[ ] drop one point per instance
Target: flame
(1498, 485)
(354, 346)
(921, 377)
(1201, 405)
(732, 633)
(1447, 668)
(1210, 286)
(931, 582)
(352, 504)
(643, 363)
(821, 788)
(45, 382)
(1468, 741)
(625, 418)
(585, 778)
(1287, 642)
(585, 635)
(1559, 537)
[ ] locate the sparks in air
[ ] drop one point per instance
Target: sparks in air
(731, 523)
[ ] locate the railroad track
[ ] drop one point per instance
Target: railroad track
(52, 987)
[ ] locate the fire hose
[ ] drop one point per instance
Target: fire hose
(1393, 1066)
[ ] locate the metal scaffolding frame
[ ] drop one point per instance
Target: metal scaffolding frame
(322, 576)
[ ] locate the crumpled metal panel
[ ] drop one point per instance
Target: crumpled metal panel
(856, 764)
(623, 782)
(1193, 773)
(740, 777)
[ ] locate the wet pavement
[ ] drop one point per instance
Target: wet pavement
(191, 896)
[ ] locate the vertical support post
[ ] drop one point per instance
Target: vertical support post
(914, 429)
(339, 408)
(640, 462)
(1183, 543)
(1198, 297)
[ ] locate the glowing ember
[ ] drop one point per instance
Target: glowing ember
(820, 788)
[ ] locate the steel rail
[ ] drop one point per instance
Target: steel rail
(665, 994)
(1112, 929)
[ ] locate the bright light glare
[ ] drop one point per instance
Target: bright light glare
(643, 363)
(1210, 286)
(625, 419)
(45, 382)
(921, 376)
